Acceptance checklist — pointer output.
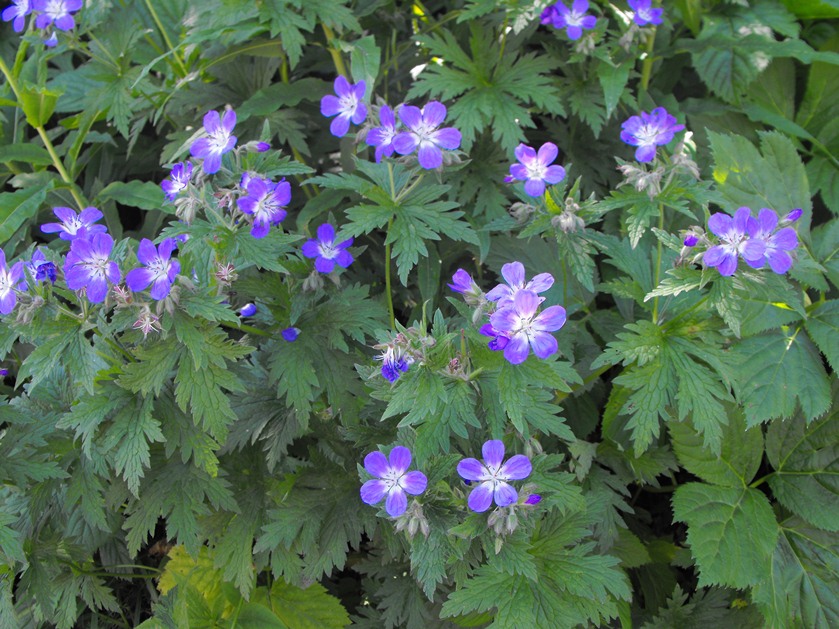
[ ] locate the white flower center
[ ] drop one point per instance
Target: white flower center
(6, 283)
(647, 135)
(574, 19)
(159, 268)
(523, 324)
(55, 9)
(328, 250)
(97, 264)
(391, 478)
(348, 104)
(536, 170)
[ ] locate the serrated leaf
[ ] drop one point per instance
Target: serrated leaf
(142, 194)
(18, 207)
(823, 327)
(731, 531)
(132, 431)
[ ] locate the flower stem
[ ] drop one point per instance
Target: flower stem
(387, 277)
(337, 59)
(658, 262)
(647, 67)
(166, 39)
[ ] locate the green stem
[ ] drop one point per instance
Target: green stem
(387, 277)
(166, 39)
(761, 480)
(658, 262)
(647, 67)
(337, 59)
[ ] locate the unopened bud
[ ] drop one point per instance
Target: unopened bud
(313, 283)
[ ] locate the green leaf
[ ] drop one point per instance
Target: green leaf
(823, 327)
(365, 59)
(776, 371)
(152, 368)
(310, 608)
(132, 430)
(142, 194)
(613, 81)
(731, 531)
(738, 461)
(806, 461)
(26, 153)
(18, 207)
(38, 104)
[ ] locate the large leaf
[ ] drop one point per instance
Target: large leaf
(18, 207)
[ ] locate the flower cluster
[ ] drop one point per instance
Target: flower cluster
(392, 480)
(535, 169)
(648, 131)
(48, 14)
(573, 20)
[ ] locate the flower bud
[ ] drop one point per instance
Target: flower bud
(248, 310)
(794, 215)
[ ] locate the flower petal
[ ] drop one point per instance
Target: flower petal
(786, 238)
(396, 502)
(493, 453)
(429, 156)
(400, 459)
(340, 125)
(534, 187)
(505, 494)
(376, 464)
(517, 468)
(434, 113)
(373, 491)
(719, 224)
(310, 249)
(550, 319)
(414, 482)
(513, 273)
(779, 261)
(548, 153)
(411, 116)
(471, 469)
(543, 343)
(448, 138)
(517, 349)
(405, 143)
(481, 497)
(330, 106)
(526, 302)
(554, 174)
(540, 283)
(324, 265)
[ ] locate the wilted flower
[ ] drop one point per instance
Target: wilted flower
(147, 322)
(41, 268)
(394, 363)
(499, 340)
(248, 310)
(266, 201)
(535, 168)
(159, 270)
(16, 14)
(525, 328)
(513, 273)
(424, 134)
(11, 279)
(178, 181)
(290, 334)
(382, 136)
(734, 234)
(648, 131)
(346, 104)
(776, 243)
(220, 140)
(58, 12)
(87, 266)
(326, 252)
(393, 480)
(226, 273)
(573, 20)
(690, 240)
(74, 225)
(493, 475)
(644, 12)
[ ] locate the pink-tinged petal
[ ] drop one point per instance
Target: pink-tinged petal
(645, 153)
(728, 265)
(146, 253)
(534, 187)
(310, 249)
(471, 469)
(526, 302)
(160, 289)
(517, 349)
(493, 453)
(719, 224)
(499, 292)
(574, 33)
(360, 114)
(780, 262)
(548, 153)
(139, 279)
(326, 233)
(411, 116)
(228, 121)
(429, 156)
(373, 491)
(543, 344)
(400, 459)
(324, 265)
(405, 143)
(212, 122)
(550, 319)
(342, 86)
(481, 497)
(434, 113)
(414, 483)
(505, 494)
(513, 274)
(343, 259)
(754, 250)
(340, 126)
(540, 283)
(448, 138)
(396, 502)
(517, 468)
(786, 238)
(212, 163)
(741, 219)
(97, 290)
(330, 106)
(525, 154)
(554, 174)
(376, 464)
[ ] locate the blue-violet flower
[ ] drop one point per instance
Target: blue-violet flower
(394, 364)
(74, 225)
(573, 20)
(41, 268)
(178, 180)
(776, 243)
(16, 14)
(649, 130)
(393, 480)
(248, 310)
(266, 201)
(644, 12)
(159, 270)
(56, 12)
(463, 283)
(513, 273)
(499, 340)
(525, 329)
(87, 266)
(424, 134)
(326, 252)
(493, 475)
(347, 105)
(382, 136)
(290, 334)
(734, 232)
(535, 168)
(11, 279)
(220, 140)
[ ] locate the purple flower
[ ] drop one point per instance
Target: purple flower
(87, 266)
(4, 373)
(56, 12)
(219, 142)
(347, 105)
(734, 234)
(424, 134)
(41, 268)
(179, 180)
(159, 270)
(248, 310)
(261, 147)
(499, 341)
(394, 364)
(326, 253)
(648, 131)
(290, 334)
(16, 14)
(265, 200)
(794, 215)
(11, 279)
(533, 499)
(493, 475)
(776, 243)
(513, 273)
(526, 329)
(644, 12)
(382, 137)
(52, 40)
(74, 225)
(393, 480)
(535, 169)
(463, 283)
(573, 20)
(691, 240)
